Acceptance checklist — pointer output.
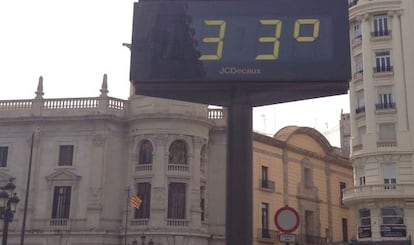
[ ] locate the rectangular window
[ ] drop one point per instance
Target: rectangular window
(387, 132)
(309, 226)
(342, 186)
(203, 202)
(362, 131)
(385, 100)
(359, 65)
(176, 200)
(265, 177)
(383, 61)
(392, 216)
(364, 217)
(61, 202)
(380, 25)
(357, 31)
(3, 156)
(307, 174)
(144, 193)
(65, 155)
(360, 174)
(390, 175)
(344, 230)
(265, 220)
(360, 102)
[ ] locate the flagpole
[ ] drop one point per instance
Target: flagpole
(126, 215)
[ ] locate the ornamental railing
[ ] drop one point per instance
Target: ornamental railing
(72, 103)
(178, 167)
(178, 222)
(9, 105)
(79, 107)
(58, 222)
(267, 184)
(139, 222)
(379, 191)
(385, 106)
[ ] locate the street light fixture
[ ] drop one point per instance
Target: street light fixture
(8, 204)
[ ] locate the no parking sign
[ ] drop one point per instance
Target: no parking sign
(287, 219)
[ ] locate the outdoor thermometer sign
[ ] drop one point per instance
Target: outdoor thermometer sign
(224, 44)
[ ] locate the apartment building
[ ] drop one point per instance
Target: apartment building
(381, 120)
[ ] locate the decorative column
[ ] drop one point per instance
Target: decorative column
(369, 88)
(94, 202)
(159, 166)
(195, 211)
(399, 73)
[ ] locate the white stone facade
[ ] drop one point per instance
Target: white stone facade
(106, 134)
(382, 119)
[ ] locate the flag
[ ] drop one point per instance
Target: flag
(135, 201)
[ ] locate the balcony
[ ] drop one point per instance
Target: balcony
(144, 167)
(360, 110)
(178, 168)
(178, 223)
(380, 191)
(267, 185)
(58, 222)
(356, 40)
(380, 69)
(139, 222)
(381, 33)
(358, 74)
(385, 106)
(266, 235)
(387, 143)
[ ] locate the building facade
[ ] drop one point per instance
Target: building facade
(381, 120)
(300, 169)
(87, 155)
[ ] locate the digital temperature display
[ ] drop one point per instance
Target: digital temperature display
(240, 42)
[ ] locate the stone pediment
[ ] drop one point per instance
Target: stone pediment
(63, 175)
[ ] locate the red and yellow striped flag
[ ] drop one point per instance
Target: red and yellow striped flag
(135, 201)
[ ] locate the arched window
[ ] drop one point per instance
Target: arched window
(178, 152)
(145, 152)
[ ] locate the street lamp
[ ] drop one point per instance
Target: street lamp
(8, 203)
(135, 242)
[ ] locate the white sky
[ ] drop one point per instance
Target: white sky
(73, 43)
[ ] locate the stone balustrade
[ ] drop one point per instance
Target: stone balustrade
(69, 107)
(386, 191)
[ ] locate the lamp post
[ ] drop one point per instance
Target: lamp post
(135, 242)
(8, 203)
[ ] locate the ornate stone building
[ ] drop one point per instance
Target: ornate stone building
(381, 119)
(86, 154)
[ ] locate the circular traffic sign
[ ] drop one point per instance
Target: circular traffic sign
(286, 219)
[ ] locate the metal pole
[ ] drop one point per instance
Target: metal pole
(26, 201)
(126, 215)
(239, 204)
(7, 216)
